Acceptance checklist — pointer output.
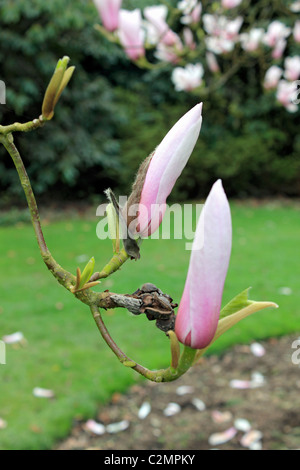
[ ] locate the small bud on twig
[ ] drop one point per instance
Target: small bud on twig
(60, 79)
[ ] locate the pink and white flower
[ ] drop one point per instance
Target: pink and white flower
(199, 310)
(251, 41)
(272, 77)
(157, 15)
(219, 45)
(188, 78)
(292, 68)
(223, 33)
(297, 31)
(169, 54)
(109, 13)
(287, 94)
(229, 4)
(276, 32)
(279, 49)
(131, 34)
(191, 10)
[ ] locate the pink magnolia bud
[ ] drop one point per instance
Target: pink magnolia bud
(292, 68)
(272, 77)
(212, 62)
(228, 4)
(157, 15)
(279, 49)
(166, 165)
(199, 310)
(109, 13)
(189, 38)
(131, 33)
(286, 94)
(297, 31)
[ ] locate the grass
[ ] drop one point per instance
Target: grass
(65, 352)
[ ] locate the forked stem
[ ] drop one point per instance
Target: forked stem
(162, 375)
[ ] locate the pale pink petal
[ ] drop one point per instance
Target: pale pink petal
(113, 428)
(42, 392)
(222, 437)
(184, 389)
(250, 438)
(94, 427)
(198, 404)
(172, 409)
(242, 424)
(144, 410)
(221, 417)
(3, 423)
(257, 350)
(17, 337)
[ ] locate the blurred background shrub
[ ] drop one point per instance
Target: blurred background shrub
(113, 115)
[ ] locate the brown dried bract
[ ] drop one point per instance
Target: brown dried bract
(157, 306)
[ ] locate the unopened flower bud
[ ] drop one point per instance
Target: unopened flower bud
(60, 79)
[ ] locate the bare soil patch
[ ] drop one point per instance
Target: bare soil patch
(273, 408)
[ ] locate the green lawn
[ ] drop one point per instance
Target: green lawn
(65, 352)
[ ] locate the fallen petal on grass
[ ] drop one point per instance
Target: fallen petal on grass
(222, 437)
(144, 410)
(198, 404)
(117, 427)
(242, 425)
(43, 392)
(257, 350)
(172, 409)
(251, 438)
(94, 427)
(184, 390)
(14, 338)
(3, 423)
(221, 417)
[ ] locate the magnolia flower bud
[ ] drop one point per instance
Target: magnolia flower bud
(131, 34)
(159, 172)
(297, 31)
(109, 13)
(229, 4)
(60, 79)
(272, 77)
(199, 309)
(292, 68)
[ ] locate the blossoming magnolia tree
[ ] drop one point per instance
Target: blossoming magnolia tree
(200, 319)
(208, 42)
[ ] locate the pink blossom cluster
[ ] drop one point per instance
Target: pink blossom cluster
(222, 34)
